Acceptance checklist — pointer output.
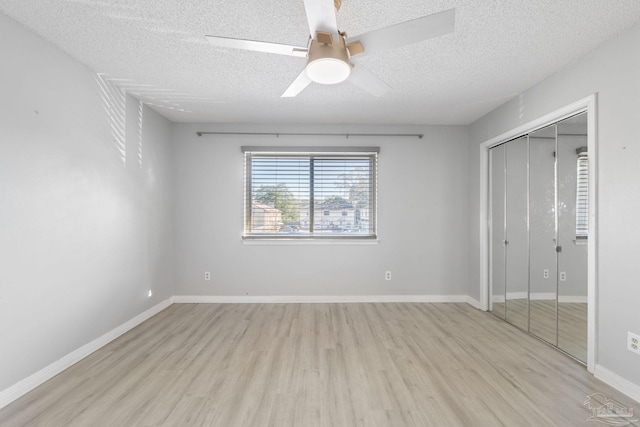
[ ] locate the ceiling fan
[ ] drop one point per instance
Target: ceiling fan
(330, 52)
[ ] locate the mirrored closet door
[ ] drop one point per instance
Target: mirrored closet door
(538, 226)
(543, 258)
(516, 237)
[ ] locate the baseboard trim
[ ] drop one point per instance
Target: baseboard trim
(27, 384)
(616, 381)
(572, 299)
(265, 299)
(499, 299)
(473, 303)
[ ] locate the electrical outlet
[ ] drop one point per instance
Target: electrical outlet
(545, 273)
(207, 275)
(563, 276)
(633, 342)
(387, 275)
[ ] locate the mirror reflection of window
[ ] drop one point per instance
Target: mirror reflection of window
(582, 194)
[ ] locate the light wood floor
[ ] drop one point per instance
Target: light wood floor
(569, 333)
(317, 365)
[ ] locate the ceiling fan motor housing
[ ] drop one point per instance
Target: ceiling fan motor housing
(328, 60)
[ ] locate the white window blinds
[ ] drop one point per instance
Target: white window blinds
(582, 194)
(313, 192)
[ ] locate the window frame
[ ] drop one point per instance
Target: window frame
(355, 152)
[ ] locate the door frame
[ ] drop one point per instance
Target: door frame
(587, 105)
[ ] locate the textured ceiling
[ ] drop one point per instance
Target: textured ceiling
(156, 50)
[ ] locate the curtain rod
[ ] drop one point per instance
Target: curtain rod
(347, 135)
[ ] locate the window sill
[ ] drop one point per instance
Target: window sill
(310, 242)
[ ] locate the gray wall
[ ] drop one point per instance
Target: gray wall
(85, 221)
(422, 218)
(612, 72)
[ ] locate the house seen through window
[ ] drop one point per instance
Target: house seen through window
(324, 192)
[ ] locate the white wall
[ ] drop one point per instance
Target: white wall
(612, 72)
(85, 223)
(422, 218)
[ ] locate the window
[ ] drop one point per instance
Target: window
(582, 194)
(303, 193)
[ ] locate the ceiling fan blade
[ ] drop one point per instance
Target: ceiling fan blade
(298, 85)
(280, 49)
(366, 80)
(408, 32)
(321, 15)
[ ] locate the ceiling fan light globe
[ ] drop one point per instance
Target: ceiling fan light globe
(328, 71)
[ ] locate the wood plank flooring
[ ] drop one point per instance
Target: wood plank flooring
(570, 328)
(317, 365)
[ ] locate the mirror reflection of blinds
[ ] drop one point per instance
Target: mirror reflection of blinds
(294, 194)
(582, 194)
